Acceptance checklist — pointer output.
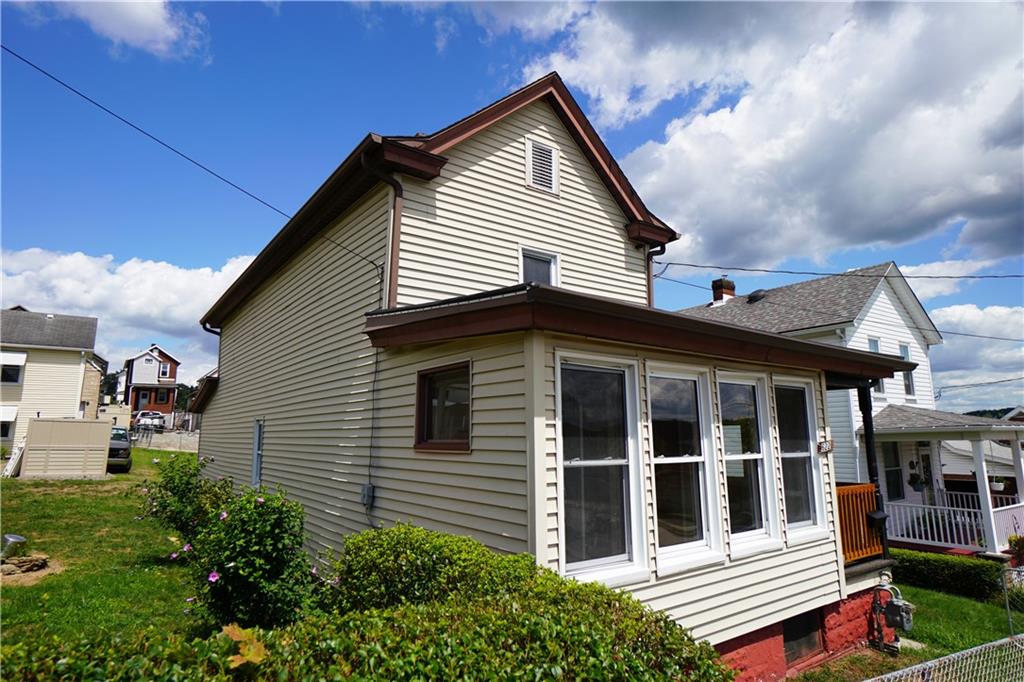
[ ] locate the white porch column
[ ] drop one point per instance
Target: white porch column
(984, 496)
(1018, 465)
(938, 482)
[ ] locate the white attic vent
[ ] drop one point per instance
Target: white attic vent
(541, 166)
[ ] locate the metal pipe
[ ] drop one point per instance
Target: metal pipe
(864, 402)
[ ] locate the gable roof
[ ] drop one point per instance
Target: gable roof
(46, 330)
(422, 156)
(823, 302)
(905, 419)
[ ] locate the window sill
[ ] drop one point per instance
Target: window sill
(740, 549)
(443, 448)
(802, 536)
(613, 576)
(688, 561)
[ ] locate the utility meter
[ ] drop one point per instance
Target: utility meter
(899, 613)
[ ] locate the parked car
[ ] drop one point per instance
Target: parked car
(119, 455)
(149, 419)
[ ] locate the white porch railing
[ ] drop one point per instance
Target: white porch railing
(1009, 521)
(956, 500)
(938, 526)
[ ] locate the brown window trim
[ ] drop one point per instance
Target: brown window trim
(451, 446)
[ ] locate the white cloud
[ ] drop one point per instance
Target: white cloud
(533, 20)
(930, 288)
(137, 301)
(445, 29)
(853, 125)
(155, 27)
(969, 360)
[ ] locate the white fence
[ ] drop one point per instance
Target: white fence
(939, 526)
(1008, 521)
(956, 500)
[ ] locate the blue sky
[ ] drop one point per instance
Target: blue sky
(274, 95)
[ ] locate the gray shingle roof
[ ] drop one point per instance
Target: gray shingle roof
(903, 418)
(819, 302)
(22, 328)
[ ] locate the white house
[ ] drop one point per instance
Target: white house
(45, 358)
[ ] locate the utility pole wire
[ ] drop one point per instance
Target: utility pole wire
(722, 268)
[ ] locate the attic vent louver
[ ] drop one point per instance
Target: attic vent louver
(541, 166)
(756, 295)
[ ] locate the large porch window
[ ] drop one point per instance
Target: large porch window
(800, 475)
(744, 455)
(683, 464)
(602, 515)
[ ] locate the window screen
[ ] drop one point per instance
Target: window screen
(537, 268)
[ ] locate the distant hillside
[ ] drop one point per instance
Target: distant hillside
(994, 414)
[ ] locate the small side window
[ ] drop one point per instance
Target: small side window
(539, 267)
(165, 370)
(10, 374)
(875, 346)
(541, 166)
(5, 429)
(442, 408)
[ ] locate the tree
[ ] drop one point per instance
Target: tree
(109, 384)
(184, 395)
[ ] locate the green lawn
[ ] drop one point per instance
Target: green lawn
(944, 623)
(117, 577)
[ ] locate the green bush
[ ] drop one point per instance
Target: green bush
(249, 562)
(406, 564)
(1017, 549)
(181, 498)
(561, 629)
(967, 576)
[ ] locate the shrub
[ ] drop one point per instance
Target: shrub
(967, 576)
(406, 564)
(249, 561)
(558, 629)
(1017, 549)
(181, 498)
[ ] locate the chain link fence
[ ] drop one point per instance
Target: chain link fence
(1001, 661)
(1013, 596)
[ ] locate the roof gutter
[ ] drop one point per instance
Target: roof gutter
(390, 294)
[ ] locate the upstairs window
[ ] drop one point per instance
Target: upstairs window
(875, 346)
(10, 374)
(539, 267)
(442, 409)
(165, 370)
(908, 377)
(541, 166)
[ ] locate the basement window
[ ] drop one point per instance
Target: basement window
(801, 636)
(442, 408)
(541, 166)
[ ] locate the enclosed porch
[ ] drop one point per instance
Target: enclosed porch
(949, 480)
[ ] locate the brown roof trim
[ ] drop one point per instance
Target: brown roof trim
(346, 184)
(201, 398)
(552, 89)
(535, 306)
(649, 233)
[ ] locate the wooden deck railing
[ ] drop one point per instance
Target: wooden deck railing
(859, 540)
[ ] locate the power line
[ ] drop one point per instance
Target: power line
(122, 119)
(814, 310)
(723, 268)
(954, 387)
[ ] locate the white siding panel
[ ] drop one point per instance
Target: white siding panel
(461, 233)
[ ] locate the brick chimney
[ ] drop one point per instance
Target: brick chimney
(722, 289)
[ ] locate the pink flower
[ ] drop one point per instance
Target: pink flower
(174, 555)
(187, 547)
(213, 577)
(145, 491)
(190, 600)
(223, 516)
(260, 500)
(313, 570)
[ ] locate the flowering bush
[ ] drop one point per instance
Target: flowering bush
(249, 565)
(181, 498)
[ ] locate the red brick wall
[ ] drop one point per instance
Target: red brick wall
(760, 655)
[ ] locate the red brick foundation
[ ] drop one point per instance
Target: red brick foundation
(760, 655)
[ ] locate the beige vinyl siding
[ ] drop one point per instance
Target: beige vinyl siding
(294, 354)
(461, 232)
(720, 601)
(483, 493)
(51, 386)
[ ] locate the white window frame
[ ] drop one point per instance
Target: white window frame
(161, 392)
(552, 256)
(816, 528)
(21, 375)
(613, 571)
(686, 556)
(258, 432)
(768, 538)
(908, 375)
(555, 166)
(165, 370)
(879, 390)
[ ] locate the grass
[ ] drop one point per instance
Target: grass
(117, 577)
(943, 623)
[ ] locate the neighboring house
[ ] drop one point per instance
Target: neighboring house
(92, 381)
(1015, 415)
(149, 381)
(46, 358)
(920, 454)
(457, 330)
